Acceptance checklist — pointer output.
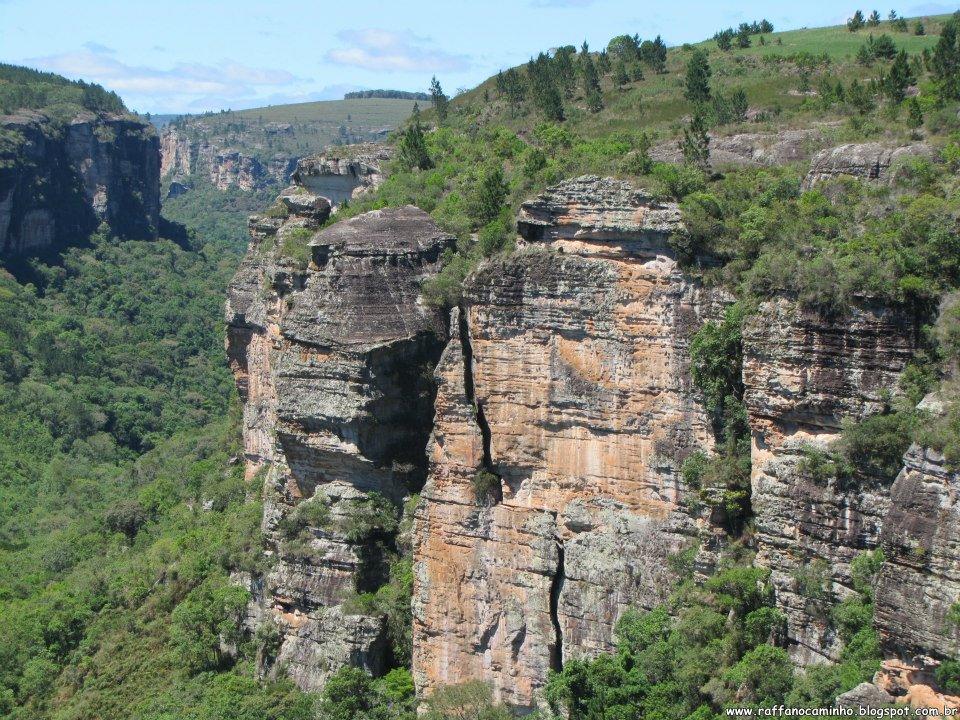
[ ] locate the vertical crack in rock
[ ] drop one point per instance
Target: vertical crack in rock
(470, 390)
(556, 586)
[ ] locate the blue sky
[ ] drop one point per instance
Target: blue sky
(183, 56)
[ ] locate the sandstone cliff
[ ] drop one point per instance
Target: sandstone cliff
(563, 413)
(58, 182)
(332, 361)
(804, 374)
(184, 157)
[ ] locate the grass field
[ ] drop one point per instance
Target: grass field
(368, 112)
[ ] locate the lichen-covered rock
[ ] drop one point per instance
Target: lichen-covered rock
(58, 183)
(920, 578)
(803, 375)
(332, 362)
(865, 161)
(563, 413)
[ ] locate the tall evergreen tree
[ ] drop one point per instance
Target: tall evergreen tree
(695, 145)
(440, 101)
(697, 82)
(945, 62)
(899, 78)
(564, 71)
(543, 86)
(412, 147)
(591, 81)
(856, 22)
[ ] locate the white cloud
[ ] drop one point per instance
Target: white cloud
(181, 87)
(386, 50)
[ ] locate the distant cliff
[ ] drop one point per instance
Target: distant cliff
(60, 180)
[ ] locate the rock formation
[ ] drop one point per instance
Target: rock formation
(866, 161)
(332, 359)
(353, 171)
(184, 157)
(753, 149)
(558, 415)
(920, 579)
(563, 412)
(58, 182)
(803, 375)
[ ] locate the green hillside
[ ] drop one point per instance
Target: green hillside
(365, 112)
(298, 129)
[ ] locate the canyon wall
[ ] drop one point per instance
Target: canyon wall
(805, 373)
(332, 358)
(564, 410)
(59, 181)
(546, 420)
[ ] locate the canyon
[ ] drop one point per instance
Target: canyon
(544, 423)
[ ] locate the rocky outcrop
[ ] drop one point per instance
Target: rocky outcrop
(804, 374)
(865, 161)
(920, 578)
(349, 174)
(184, 156)
(753, 149)
(332, 359)
(563, 413)
(59, 181)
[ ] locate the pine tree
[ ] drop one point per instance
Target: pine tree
(412, 147)
(695, 145)
(546, 96)
(743, 37)
(766, 27)
(945, 61)
(564, 70)
(914, 113)
(620, 77)
(856, 22)
(874, 19)
(899, 78)
(591, 81)
(724, 39)
(697, 82)
(919, 29)
(440, 101)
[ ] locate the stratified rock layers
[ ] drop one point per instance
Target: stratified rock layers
(920, 580)
(567, 389)
(332, 362)
(804, 374)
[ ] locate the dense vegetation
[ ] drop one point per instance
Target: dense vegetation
(53, 94)
(712, 646)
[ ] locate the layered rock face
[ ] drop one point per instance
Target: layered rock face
(332, 362)
(59, 182)
(920, 578)
(563, 413)
(803, 375)
(754, 149)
